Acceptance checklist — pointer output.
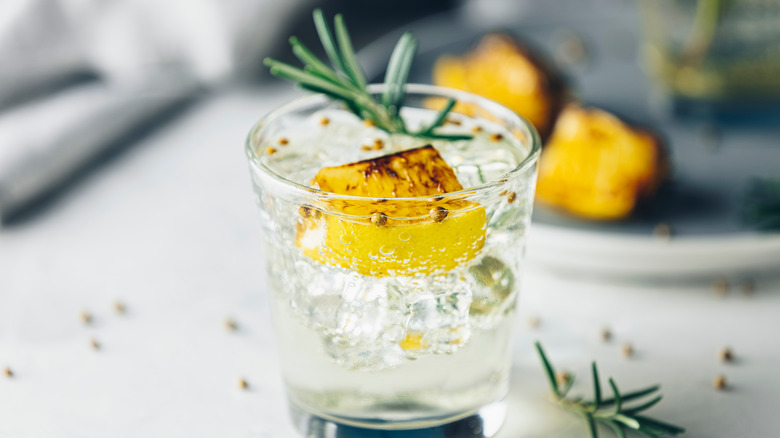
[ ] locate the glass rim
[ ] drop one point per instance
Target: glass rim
(433, 90)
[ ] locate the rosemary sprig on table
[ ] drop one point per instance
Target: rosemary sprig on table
(344, 80)
(611, 412)
(762, 204)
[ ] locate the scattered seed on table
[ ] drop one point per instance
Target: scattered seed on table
(662, 231)
(230, 324)
(533, 321)
(86, 317)
(94, 344)
(8, 373)
(720, 286)
(563, 377)
(720, 382)
(726, 355)
(243, 384)
(748, 286)
(605, 334)
(627, 350)
(119, 307)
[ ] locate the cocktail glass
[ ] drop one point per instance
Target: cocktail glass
(386, 317)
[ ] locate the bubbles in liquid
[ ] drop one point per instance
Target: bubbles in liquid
(386, 250)
(345, 239)
(404, 236)
(373, 256)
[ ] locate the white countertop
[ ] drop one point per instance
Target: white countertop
(168, 227)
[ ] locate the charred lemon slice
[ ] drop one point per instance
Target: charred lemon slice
(385, 237)
(597, 167)
(502, 70)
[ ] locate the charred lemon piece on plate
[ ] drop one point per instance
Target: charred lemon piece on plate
(378, 236)
(502, 70)
(595, 166)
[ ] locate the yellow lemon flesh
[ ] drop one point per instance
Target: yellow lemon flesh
(387, 237)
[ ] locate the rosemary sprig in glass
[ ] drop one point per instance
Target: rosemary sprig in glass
(344, 80)
(611, 412)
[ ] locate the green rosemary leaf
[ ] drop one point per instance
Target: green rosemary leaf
(312, 63)
(548, 368)
(660, 425)
(628, 421)
(395, 77)
(594, 433)
(451, 137)
(351, 66)
(632, 395)
(618, 398)
(596, 385)
(440, 117)
(286, 71)
(326, 37)
(616, 428)
(643, 407)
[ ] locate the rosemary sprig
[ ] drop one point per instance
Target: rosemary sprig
(344, 80)
(610, 412)
(761, 208)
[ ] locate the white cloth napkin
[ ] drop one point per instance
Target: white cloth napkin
(148, 54)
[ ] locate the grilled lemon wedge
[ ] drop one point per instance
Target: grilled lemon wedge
(380, 237)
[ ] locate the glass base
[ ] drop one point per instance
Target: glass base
(483, 423)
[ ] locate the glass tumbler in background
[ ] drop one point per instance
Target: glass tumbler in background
(394, 313)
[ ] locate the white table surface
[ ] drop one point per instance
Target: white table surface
(169, 228)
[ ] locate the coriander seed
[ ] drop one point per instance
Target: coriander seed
(378, 144)
(284, 141)
(662, 231)
(720, 382)
(243, 384)
(94, 344)
(496, 137)
(511, 198)
(231, 324)
(270, 150)
(439, 213)
(119, 307)
(533, 321)
(605, 335)
(369, 123)
(720, 286)
(476, 129)
(304, 211)
(378, 218)
(726, 355)
(627, 350)
(8, 373)
(86, 317)
(563, 377)
(365, 148)
(324, 121)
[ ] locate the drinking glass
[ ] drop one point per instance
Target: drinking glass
(400, 320)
